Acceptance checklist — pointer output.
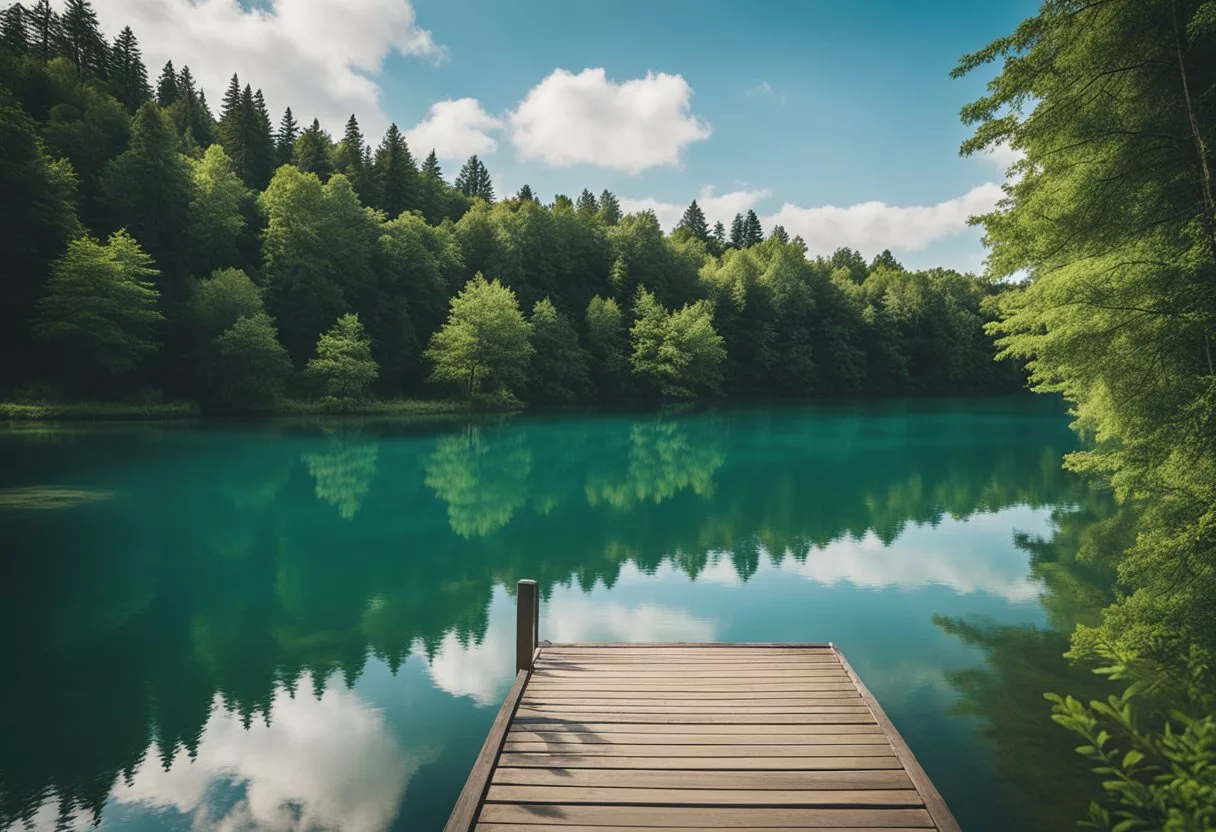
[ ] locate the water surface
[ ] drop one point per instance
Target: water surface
(309, 625)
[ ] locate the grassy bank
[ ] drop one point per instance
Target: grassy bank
(101, 411)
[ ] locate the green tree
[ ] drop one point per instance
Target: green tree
(148, 190)
(191, 115)
(586, 205)
(166, 85)
(474, 180)
(753, 235)
(285, 138)
(248, 365)
(781, 235)
(14, 34)
(100, 306)
(216, 220)
(353, 159)
(525, 193)
(558, 372)
(219, 301)
(313, 151)
(607, 347)
(610, 207)
(485, 340)
(885, 260)
(395, 175)
(43, 25)
(738, 232)
(343, 365)
(678, 353)
(694, 222)
(37, 199)
(81, 40)
(128, 75)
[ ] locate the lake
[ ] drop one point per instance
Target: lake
(308, 625)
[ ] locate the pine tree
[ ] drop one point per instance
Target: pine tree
(752, 233)
(720, 233)
(430, 167)
(352, 159)
(800, 243)
(262, 149)
(474, 180)
(232, 100)
(191, 115)
(312, 151)
(394, 174)
(694, 221)
(780, 234)
(586, 205)
(13, 33)
(166, 86)
(83, 43)
(737, 232)
(128, 75)
(43, 27)
(525, 194)
(610, 207)
(285, 139)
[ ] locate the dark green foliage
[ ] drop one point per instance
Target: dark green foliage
(610, 208)
(752, 233)
(191, 115)
(738, 233)
(885, 260)
(586, 205)
(607, 341)
(245, 132)
(781, 235)
(352, 159)
(525, 194)
(221, 300)
(474, 180)
(148, 190)
(81, 41)
(343, 366)
(285, 138)
(37, 198)
(313, 152)
(216, 220)
(558, 372)
(694, 222)
(128, 75)
(14, 34)
(248, 367)
(395, 177)
(166, 85)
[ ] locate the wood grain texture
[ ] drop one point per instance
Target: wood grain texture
(692, 763)
(787, 738)
(702, 729)
(739, 750)
(711, 780)
(824, 798)
(702, 818)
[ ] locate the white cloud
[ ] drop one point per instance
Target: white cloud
(765, 90)
(718, 208)
(320, 763)
(1002, 155)
(873, 226)
(455, 129)
(320, 57)
(570, 119)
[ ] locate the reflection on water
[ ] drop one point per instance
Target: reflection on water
(311, 628)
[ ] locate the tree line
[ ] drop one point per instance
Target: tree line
(156, 245)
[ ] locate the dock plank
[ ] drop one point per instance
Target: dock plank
(615, 737)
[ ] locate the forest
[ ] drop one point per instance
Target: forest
(157, 249)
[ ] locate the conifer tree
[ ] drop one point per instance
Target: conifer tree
(737, 235)
(586, 205)
(166, 86)
(430, 167)
(352, 159)
(83, 43)
(610, 207)
(13, 33)
(720, 233)
(474, 180)
(128, 75)
(190, 114)
(285, 138)
(312, 151)
(694, 221)
(525, 194)
(752, 233)
(261, 144)
(780, 234)
(43, 30)
(394, 174)
(434, 189)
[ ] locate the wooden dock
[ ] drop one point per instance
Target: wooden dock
(614, 737)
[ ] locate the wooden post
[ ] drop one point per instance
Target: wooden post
(527, 611)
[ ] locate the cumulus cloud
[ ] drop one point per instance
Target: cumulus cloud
(320, 57)
(587, 118)
(718, 208)
(873, 226)
(455, 129)
(318, 764)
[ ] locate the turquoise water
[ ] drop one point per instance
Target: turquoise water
(309, 625)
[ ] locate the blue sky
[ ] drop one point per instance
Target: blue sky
(787, 108)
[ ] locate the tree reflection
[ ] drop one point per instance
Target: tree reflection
(219, 581)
